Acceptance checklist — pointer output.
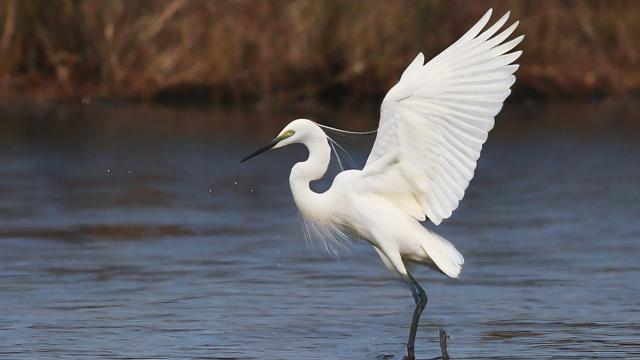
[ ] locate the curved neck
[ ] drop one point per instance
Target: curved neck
(309, 202)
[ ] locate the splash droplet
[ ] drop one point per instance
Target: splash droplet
(108, 171)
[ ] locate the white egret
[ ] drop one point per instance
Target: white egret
(433, 124)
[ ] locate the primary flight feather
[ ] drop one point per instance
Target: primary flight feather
(433, 124)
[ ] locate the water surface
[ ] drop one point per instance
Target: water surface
(135, 233)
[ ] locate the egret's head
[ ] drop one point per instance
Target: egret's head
(296, 131)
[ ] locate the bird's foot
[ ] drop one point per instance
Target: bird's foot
(443, 345)
(410, 354)
(443, 349)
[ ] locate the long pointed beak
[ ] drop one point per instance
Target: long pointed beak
(261, 150)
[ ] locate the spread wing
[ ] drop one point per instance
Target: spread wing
(434, 121)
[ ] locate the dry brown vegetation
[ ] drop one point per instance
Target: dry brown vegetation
(274, 51)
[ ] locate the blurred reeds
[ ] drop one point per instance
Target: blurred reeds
(276, 50)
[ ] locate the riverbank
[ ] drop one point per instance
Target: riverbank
(276, 52)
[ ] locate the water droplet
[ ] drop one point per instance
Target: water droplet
(108, 171)
(129, 172)
(210, 191)
(235, 183)
(251, 190)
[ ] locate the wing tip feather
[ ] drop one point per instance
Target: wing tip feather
(437, 210)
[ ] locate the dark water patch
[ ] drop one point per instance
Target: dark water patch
(502, 335)
(132, 197)
(96, 232)
(219, 231)
(15, 212)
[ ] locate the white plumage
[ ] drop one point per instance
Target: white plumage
(434, 121)
(433, 124)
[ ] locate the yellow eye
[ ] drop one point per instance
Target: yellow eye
(288, 133)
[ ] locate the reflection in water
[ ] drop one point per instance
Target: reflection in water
(144, 261)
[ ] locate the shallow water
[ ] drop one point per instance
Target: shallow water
(120, 240)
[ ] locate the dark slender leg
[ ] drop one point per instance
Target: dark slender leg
(414, 291)
(420, 298)
(443, 345)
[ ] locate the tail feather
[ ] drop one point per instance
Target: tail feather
(442, 253)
